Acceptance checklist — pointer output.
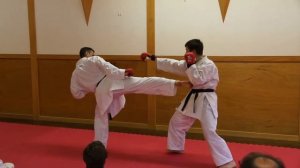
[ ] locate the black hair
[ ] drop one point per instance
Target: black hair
(249, 160)
(195, 44)
(83, 51)
(94, 155)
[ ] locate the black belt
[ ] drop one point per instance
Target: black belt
(194, 91)
(100, 80)
(109, 116)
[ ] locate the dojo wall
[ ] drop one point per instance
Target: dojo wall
(256, 48)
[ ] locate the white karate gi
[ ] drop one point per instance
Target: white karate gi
(203, 75)
(110, 91)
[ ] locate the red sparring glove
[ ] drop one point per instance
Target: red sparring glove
(146, 55)
(190, 58)
(128, 72)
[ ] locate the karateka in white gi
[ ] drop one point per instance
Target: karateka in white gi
(109, 83)
(199, 104)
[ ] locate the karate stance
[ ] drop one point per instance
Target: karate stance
(109, 83)
(200, 103)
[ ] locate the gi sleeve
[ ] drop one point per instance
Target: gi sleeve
(171, 65)
(110, 70)
(76, 90)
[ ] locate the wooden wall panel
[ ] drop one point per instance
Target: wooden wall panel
(15, 88)
(259, 97)
(54, 91)
(135, 109)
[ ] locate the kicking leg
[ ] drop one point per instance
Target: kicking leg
(149, 85)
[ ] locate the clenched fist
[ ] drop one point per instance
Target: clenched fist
(146, 55)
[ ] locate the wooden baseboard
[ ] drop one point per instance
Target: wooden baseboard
(14, 116)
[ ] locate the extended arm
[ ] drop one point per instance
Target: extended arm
(165, 64)
(112, 71)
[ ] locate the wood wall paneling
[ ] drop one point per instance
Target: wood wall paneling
(54, 89)
(15, 88)
(150, 66)
(33, 60)
(259, 97)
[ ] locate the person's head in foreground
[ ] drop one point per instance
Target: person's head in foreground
(94, 155)
(260, 160)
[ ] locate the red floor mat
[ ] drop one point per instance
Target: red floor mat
(32, 146)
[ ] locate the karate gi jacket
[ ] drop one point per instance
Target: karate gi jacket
(88, 73)
(203, 75)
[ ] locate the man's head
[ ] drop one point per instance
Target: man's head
(194, 45)
(259, 160)
(86, 52)
(94, 155)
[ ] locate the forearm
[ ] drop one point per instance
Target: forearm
(171, 65)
